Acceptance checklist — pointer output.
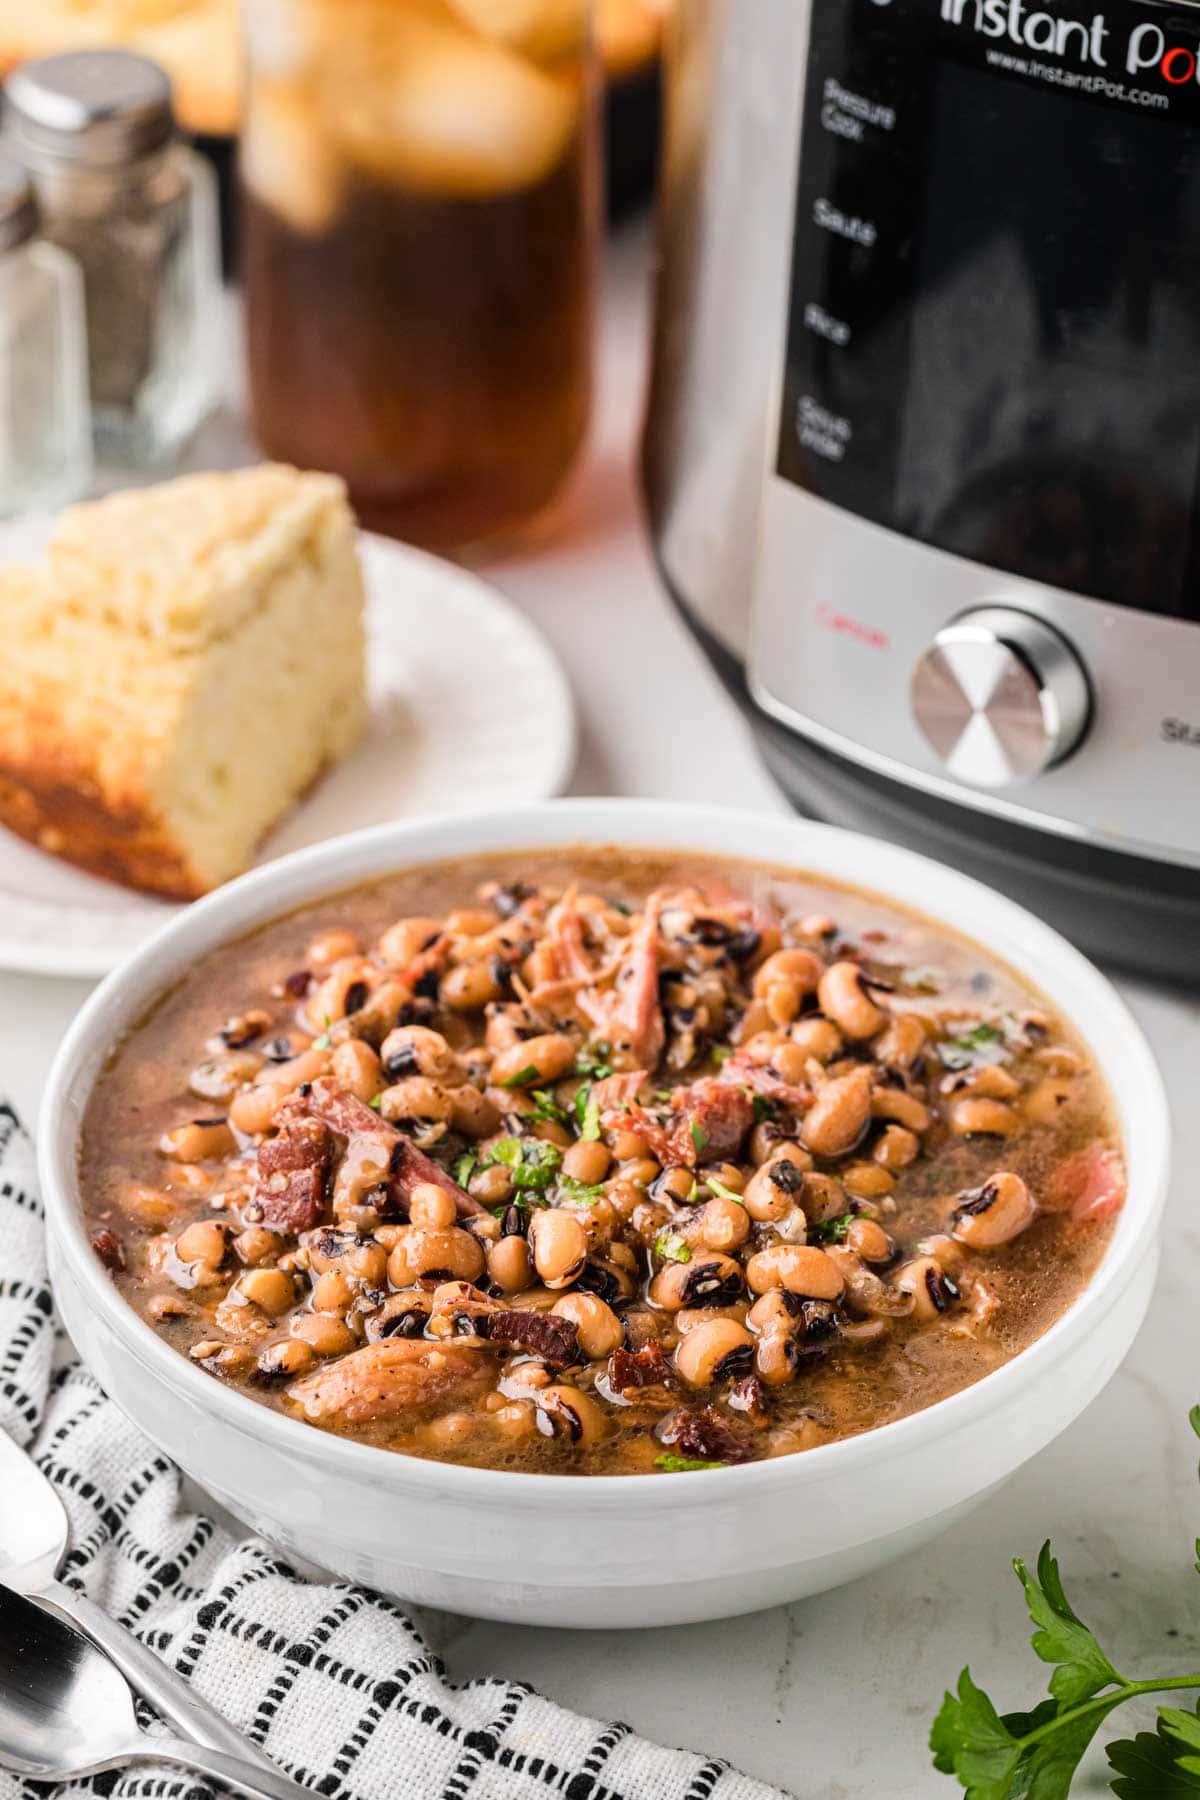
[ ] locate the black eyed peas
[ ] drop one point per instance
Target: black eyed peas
(415, 1050)
(714, 1351)
(800, 1268)
(933, 1290)
(355, 1067)
(198, 1141)
(838, 1116)
(994, 1213)
(423, 1251)
(844, 999)
(558, 1244)
(600, 1330)
(534, 1061)
(538, 1173)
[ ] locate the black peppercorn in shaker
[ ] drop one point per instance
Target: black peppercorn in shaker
(137, 210)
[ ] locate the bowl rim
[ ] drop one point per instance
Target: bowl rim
(826, 853)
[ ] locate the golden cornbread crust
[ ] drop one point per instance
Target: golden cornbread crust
(162, 709)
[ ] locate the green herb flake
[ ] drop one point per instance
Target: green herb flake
(722, 1192)
(763, 1108)
(671, 1247)
(523, 1077)
(721, 1053)
(464, 1167)
(375, 1103)
(545, 1106)
(699, 1137)
(321, 1043)
(683, 1465)
(831, 1231)
(977, 1048)
(586, 1193)
(531, 1163)
(593, 1063)
(587, 1113)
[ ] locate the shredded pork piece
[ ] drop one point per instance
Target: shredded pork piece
(293, 1173)
(349, 1117)
(739, 1071)
(383, 1380)
(636, 1021)
(714, 1117)
(545, 1335)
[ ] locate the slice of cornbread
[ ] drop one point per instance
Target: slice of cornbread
(180, 670)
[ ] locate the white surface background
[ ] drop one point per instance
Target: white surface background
(830, 1698)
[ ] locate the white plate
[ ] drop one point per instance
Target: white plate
(469, 709)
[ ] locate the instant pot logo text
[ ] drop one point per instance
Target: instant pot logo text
(1088, 43)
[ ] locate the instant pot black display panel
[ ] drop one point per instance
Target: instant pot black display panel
(994, 339)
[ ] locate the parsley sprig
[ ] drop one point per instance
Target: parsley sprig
(1035, 1755)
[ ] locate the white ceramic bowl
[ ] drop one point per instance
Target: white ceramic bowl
(609, 1551)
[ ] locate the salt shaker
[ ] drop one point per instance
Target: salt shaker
(136, 208)
(45, 438)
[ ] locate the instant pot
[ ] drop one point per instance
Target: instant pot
(922, 458)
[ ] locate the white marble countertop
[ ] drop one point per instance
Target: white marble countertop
(830, 1698)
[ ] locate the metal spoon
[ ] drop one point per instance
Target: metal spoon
(33, 1538)
(66, 1711)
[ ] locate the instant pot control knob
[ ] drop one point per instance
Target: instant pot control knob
(1000, 696)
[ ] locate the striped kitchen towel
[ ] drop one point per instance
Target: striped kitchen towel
(335, 1682)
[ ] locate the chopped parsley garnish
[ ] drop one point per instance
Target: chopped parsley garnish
(976, 1048)
(531, 1163)
(831, 1231)
(464, 1167)
(683, 1465)
(375, 1103)
(671, 1247)
(322, 1042)
(545, 1106)
(583, 1191)
(722, 1192)
(594, 1063)
(699, 1136)
(587, 1113)
(763, 1108)
(721, 1053)
(523, 1077)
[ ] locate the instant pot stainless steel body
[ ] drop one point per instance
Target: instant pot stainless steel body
(922, 456)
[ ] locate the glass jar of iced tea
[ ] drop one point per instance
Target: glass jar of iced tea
(420, 216)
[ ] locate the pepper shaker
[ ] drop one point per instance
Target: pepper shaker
(45, 439)
(136, 208)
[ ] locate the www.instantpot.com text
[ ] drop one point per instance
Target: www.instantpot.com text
(1145, 49)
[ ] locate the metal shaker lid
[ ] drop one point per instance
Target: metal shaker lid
(99, 108)
(18, 213)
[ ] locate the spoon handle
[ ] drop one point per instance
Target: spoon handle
(233, 1772)
(167, 1692)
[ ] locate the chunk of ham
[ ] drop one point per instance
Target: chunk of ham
(391, 1377)
(293, 1174)
(636, 1021)
(1090, 1185)
(713, 1118)
(329, 1104)
(739, 1071)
